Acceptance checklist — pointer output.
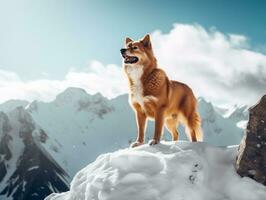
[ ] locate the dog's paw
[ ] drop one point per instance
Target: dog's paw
(153, 142)
(136, 144)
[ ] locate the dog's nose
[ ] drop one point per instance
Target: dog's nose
(123, 51)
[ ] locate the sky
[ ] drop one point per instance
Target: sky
(217, 47)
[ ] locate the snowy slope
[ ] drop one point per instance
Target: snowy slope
(182, 171)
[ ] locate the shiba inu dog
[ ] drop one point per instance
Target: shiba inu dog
(152, 95)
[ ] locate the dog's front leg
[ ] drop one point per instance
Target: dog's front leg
(141, 119)
(159, 121)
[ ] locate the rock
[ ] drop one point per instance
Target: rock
(251, 159)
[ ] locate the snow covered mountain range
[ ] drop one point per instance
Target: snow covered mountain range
(44, 144)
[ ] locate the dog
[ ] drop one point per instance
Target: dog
(153, 96)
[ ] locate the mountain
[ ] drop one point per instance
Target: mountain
(219, 130)
(239, 115)
(80, 124)
(12, 104)
(167, 171)
(27, 171)
(76, 124)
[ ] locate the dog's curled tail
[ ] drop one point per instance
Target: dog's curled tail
(198, 130)
(194, 125)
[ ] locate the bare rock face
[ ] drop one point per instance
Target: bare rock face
(251, 159)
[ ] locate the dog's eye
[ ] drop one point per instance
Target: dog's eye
(135, 47)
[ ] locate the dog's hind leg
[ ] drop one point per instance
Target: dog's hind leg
(171, 125)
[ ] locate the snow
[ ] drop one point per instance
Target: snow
(33, 168)
(242, 124)
(167, 171)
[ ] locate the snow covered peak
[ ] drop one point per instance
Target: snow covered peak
(71, 94)
(207, 110)
(166, 171)
(238, 112)
(72, 101)
(204, 104)
(217, 129)
(80, 100)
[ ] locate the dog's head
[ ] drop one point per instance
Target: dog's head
(138, 52)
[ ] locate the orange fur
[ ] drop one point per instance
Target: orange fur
(152, 95)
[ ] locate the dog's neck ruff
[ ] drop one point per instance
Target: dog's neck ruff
(136, 90)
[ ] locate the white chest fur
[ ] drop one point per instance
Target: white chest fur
(136, 90)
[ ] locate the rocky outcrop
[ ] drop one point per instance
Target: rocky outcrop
(251, 159)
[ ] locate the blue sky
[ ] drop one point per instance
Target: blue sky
(215, 46)
(47, 38)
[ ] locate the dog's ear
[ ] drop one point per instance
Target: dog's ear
(128, 40)
(146, 41)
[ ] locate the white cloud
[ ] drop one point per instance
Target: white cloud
(217, 66)
(109, 80)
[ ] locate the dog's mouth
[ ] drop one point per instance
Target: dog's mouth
(130, 59)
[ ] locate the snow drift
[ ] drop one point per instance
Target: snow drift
(168, 171)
